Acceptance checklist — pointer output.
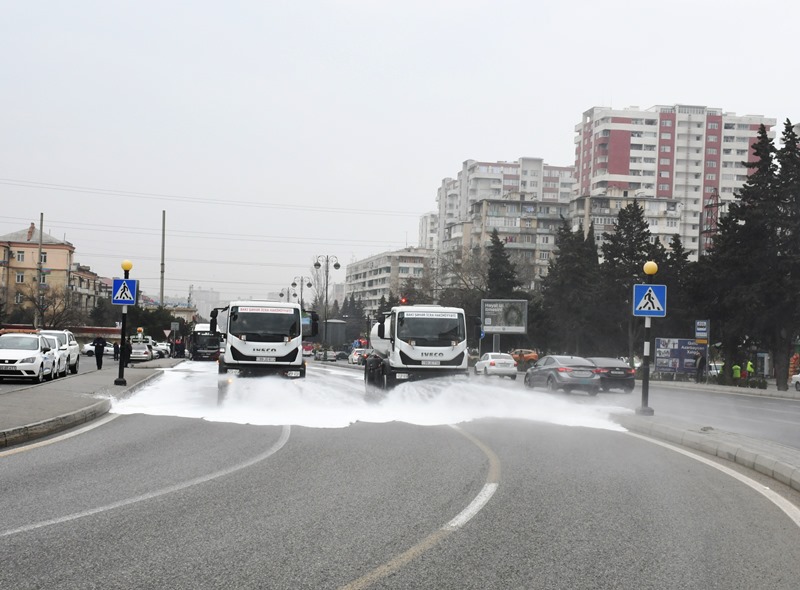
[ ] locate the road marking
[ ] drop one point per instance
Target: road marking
(792, 511)
(488, 490)
(95, 424)
(149, 496)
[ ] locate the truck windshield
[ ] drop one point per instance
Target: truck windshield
(431, 328)
(264, 324)
(206, 340)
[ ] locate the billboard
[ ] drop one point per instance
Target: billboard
(504, 316)
(677, 355)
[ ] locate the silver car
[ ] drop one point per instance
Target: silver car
(60, 357)
(496, 363)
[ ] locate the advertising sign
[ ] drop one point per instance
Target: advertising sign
(677, 355)
(504, 316)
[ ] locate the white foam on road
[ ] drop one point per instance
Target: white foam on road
(335, 399)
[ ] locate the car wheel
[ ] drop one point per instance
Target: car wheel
(594, 390)
(485, 372)
(552, 386)
(513, 377)
(629, 388)
(66, 369)
(40, 376)
(604, 387)
(526, 381)
(74, 368)
(475, 370)
(797, 385)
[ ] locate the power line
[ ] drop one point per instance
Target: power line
(186, 199)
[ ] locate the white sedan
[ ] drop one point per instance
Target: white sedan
(496, 363)
(88, 349)
(796, 382)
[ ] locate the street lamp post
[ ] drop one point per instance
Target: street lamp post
(301, 280)
(650, 268)
(126, 265)
(288, 293)
(326, 260)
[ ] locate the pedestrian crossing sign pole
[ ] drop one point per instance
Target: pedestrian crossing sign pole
(649, 301)
(123, 292)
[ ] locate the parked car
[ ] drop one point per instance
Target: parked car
(67, 342)
(59, 354)
(325, 355)
(796, 382)
(525, 357)
(614, 373)
(564, 372)
(341, 355)
(88, 349)
(352, 358)
(161, 350)
(496, 363)
(141, 351)
(26, 356)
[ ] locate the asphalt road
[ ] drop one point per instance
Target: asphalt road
(378, 495)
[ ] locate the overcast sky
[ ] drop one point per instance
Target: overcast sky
(273, 132)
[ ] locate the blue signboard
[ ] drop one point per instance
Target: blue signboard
(678, 355)
(123, 292)
(650, 301)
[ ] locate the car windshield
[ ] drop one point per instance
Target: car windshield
(60, 336)
(10, 342)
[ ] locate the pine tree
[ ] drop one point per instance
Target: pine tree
(501, 276)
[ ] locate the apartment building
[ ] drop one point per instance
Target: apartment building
(682, 162)
(385, 274)
(523, 200)
(57, 274)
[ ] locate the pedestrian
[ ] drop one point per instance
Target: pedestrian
(127, 352)
(737, 372)
(750, 369)
(700, 366)
(99, 344)
(116, 350)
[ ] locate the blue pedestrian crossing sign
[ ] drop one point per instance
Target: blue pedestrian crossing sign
(650, 301)
(123, 292)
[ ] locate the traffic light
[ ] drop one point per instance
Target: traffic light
(403, 300)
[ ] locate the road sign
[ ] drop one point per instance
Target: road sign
(701, 329)
(167, 333)
(650, 301)
(123, 292)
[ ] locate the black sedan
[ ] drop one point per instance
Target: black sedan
(564, 372)
(614, 373)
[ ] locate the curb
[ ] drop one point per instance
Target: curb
(771, 459)
(57, 424)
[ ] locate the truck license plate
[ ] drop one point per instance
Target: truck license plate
(430, 363)
(265, 359)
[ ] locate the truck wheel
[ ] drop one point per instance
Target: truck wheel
(222, 368)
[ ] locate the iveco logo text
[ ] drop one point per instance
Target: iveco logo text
(265, 350)
(431, 354)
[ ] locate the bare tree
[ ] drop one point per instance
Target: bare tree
(52, 304)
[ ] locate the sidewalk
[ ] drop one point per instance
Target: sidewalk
(37, 411)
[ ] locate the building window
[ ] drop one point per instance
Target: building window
(711, 176)
(666, 148)
(20, 256)
(43, 279)
(20, 277)
(43, 258)
(712, 139)
(664, 174)
(711, 151)
(711, 164)
(18, 298)
(663, 187)
(713, 125)
(666, 123)
(666, 136)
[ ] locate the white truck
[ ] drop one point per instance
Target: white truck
(263, 337)
(414, 342)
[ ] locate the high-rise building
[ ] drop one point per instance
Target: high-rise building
(682, 162)
(523, 200)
